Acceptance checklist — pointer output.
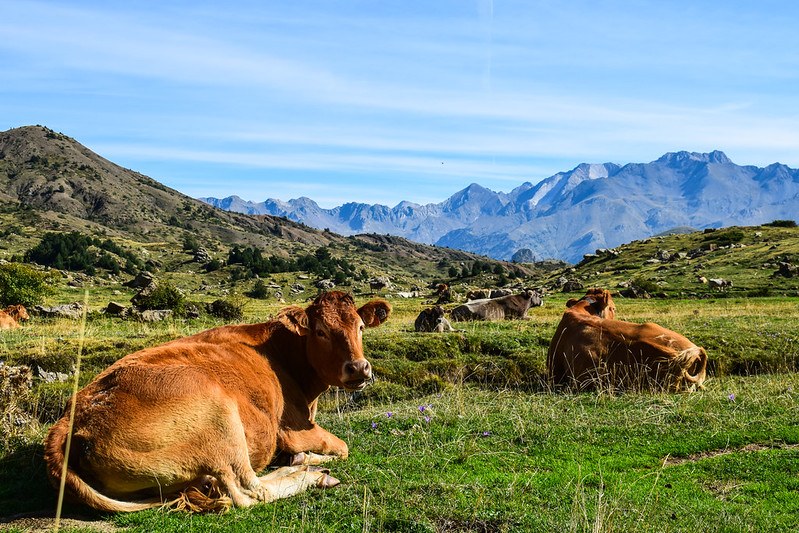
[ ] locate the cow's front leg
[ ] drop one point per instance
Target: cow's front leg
(312, 439)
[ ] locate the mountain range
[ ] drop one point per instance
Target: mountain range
(571, 213)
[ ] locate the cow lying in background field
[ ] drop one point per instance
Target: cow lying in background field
(432, 320)
(592, 350)
(11, 316)
(513, 306)
(190, 423)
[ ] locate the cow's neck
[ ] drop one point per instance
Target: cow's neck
(287, 353)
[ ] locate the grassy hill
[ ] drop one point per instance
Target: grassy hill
(50, 182)
(679, 265)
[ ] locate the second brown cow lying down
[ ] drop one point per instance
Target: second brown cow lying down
(592, 350)
(190, 423)
(11, 316)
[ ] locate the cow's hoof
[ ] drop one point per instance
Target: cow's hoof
(298, 459)
(327, 481)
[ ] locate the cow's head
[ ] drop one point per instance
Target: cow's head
(597, 302)
(534, 297)
(18, 312)
(334, 331)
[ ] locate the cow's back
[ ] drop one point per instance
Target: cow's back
(187, 383)
(484, 309)
(588, 351)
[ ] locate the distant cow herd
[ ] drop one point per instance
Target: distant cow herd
(190, 424)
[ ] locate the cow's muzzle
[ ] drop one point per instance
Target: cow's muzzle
(357, 374)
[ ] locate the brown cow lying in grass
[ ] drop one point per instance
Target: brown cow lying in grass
(11, 316)
(191, 422)
(592, 350)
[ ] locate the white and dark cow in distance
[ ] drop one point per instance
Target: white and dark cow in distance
(190, 423)
(432, 320)
(514, 306)
(591, 350)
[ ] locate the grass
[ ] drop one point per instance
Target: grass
(497, 451)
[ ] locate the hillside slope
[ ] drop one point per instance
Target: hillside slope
(49, 181)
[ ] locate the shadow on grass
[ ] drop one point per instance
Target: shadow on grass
(25, 490)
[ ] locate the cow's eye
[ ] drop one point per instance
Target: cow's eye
(320, 333)
(361, 328)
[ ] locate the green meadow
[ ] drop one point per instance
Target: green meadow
(461, 433)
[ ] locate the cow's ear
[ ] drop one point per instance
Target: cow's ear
(603, 298)
(375, 312)
(295, 319)
(571, 301)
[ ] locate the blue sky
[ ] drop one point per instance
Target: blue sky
(383, 101)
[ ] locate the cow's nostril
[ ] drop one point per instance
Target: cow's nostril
(360, 368)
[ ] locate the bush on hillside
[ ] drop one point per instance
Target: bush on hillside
(164, 296)
(225, 309)
(259, 291)
(725, 238)
(22, 284)
(782, 224)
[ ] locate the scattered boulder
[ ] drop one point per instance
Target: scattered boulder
(634, 291)
(202, 256)
(572, 285)
(142, 279)
(51, 377)
(787, 270)
(297, 288)
(325, 284)
(407, 294)
(151, 315)
(73, 310)
(114, 308)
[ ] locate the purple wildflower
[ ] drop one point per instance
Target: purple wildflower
(374, 425)
(422, 408)
(389, 414)
(427, 419)
(731, 397)
(486, 433)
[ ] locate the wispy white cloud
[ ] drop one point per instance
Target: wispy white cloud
(500, 92)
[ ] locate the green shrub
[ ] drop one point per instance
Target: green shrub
(225, 309)
(22, 284)
(782, 224)
(725, 238)
(259, 291)
(164, 296)
(647, 285)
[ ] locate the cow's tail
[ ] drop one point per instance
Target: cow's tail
(191, 499)
(77, 488)
(693, 362)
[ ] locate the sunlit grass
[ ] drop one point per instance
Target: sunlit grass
(475, 441)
